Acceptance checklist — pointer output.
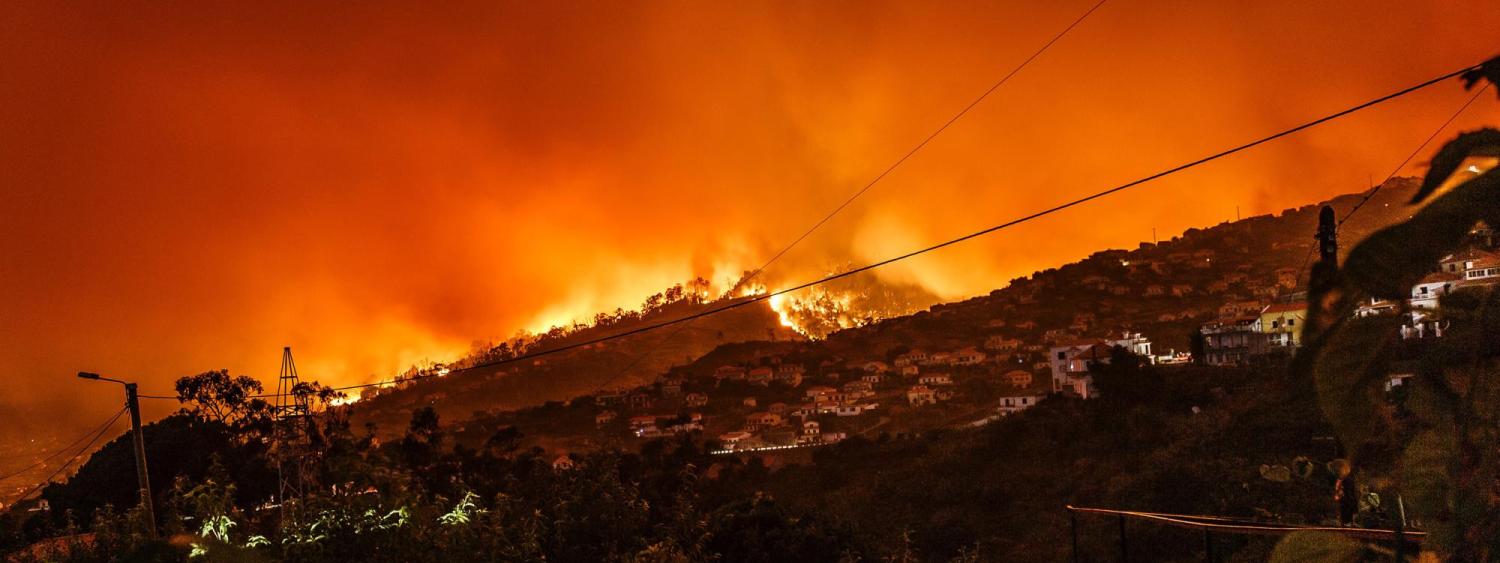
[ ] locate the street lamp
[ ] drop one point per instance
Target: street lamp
(133, 403)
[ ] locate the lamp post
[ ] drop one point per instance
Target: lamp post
(133, 403)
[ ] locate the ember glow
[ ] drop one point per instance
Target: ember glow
(193, 186)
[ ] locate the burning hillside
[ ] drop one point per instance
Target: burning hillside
(849, 302)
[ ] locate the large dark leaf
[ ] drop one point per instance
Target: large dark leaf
(1426, 485)
(1483, 142)
(1488, 186)
(1388, 263)
(1488, 70)
(1349, 373)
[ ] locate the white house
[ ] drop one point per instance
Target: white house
(1001, 344)
(968, 357)
(853, 410)
(1132, 342)
(819, 391)
(811, 428)
(1485, 270)
(1375, 307)
(1425, 294)
(1023, 392)
(762, 420)
(858, 387)
(1070, 368)
(935, 379)
(1465, 260)
(639, 422)
(910, 358)
(1018, 378)
(920, 395)
(1012, 403)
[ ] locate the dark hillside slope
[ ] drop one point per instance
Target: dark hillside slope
(616, 364)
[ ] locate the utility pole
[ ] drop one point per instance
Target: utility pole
(132, 402)
(1328, 238)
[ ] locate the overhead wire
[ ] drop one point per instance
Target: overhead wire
(59, 451)
(1307, 258)
(933, 135)
(881, 176)
(749, 300)
(73, 459)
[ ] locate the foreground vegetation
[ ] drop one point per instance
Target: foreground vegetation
(1188, 440)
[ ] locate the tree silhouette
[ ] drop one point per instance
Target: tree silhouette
(216, 395)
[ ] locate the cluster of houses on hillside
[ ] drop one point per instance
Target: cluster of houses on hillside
(808, 406)
(1246, 329)
(1469, 268)
(836, 393)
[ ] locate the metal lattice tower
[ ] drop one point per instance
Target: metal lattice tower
(293, 414)
(289, 404)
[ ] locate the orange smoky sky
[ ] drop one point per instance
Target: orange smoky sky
(191, 185)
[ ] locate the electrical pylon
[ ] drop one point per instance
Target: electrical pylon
(293, 414)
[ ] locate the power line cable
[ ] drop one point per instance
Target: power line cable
(71, 460)
(59, 451)
(741, 302)
(1307, 258)
(857, 193)
(1414, 153)
(929, 138)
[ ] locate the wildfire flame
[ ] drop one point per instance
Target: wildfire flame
(846, 303)
(814, 313)
(779, 304)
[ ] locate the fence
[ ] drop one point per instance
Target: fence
(1216, 525)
